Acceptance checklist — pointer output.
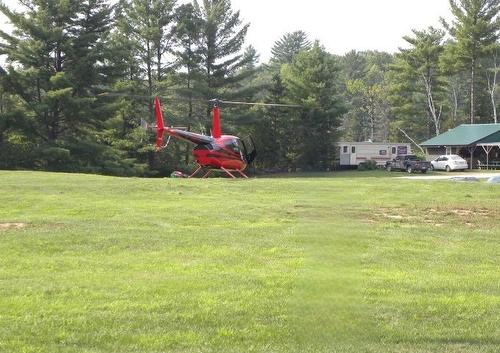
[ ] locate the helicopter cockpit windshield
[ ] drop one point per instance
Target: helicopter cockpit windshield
(235, 145)
(248, 149)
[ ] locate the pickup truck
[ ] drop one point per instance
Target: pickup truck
(408, 163)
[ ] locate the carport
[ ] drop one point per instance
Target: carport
(480, 143)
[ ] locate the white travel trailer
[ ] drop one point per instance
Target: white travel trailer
(354, 153)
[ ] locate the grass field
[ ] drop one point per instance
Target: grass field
(351, 262)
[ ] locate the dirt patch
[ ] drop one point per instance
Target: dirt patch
(439, 217)
(7, 226)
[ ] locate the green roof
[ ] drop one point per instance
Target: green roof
(494, 138)
(464, 135)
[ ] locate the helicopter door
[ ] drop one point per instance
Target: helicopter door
(249, 149)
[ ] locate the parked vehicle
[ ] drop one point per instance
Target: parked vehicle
(449, 162)
(409, 163)
(352, 154)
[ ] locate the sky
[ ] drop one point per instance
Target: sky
(340, 25)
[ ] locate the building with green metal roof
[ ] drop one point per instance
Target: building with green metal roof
(480, 143)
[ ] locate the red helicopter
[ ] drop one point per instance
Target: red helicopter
(218, 152)
(223, 153)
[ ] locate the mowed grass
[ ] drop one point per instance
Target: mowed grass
(351, 262)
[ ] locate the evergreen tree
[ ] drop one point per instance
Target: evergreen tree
(475, 28)
(57, 51)
(223, 35)
(125, 58)
(287, 47)
(456, 85)
(149, 24)
(311, 80)
(491, 65)
(354, 65)
(188, 37)
(369, 105)
(16, 144)
(417, 70)
(364, 89)
(272, 130)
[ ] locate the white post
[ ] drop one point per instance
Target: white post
(487, 150)
(471, 151)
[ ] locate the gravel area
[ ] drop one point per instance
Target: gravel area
(451, 176)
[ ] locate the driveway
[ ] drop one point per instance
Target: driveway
(449, 176)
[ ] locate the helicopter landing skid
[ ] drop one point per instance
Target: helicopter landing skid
(230, 172)
(196, 171)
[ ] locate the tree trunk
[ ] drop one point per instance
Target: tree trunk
(158, 64)
(190, 108)
(494, 111)
(150, 78)
(209, 84)
(435, 116)
(455, 105)
(492, 85)
(472, 81)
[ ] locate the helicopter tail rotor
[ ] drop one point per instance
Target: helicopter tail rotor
(145, 125)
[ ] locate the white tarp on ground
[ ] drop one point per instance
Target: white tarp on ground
(494, 180)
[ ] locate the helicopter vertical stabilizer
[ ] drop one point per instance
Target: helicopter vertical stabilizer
(160, 126)
(216, 128)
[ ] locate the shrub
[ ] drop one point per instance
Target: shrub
(368, 165)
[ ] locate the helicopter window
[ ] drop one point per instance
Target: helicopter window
(240, 145)
(202, 147)
(233, 145)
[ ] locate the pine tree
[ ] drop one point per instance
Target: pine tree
(15, 138)
(287, 47)
(354, 65)
(364, 89)
(60, 65)
(188, 37)
(419, 68)
(491, 64)
(149, 24)
(223, 36)
(456, 84)
(312, 80)
(370, 107)
(475, 27)
(271, 128)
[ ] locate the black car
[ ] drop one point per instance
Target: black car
(408, 163)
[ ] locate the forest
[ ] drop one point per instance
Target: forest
(77, 76)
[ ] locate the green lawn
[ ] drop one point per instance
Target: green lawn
(346, 262)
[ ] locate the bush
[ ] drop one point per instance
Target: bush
(368, 165)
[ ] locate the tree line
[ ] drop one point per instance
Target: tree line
(79, 76)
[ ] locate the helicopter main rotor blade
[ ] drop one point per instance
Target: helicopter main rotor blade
(197, 99)
(144, 96)
(124, 95)
(259, 104)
